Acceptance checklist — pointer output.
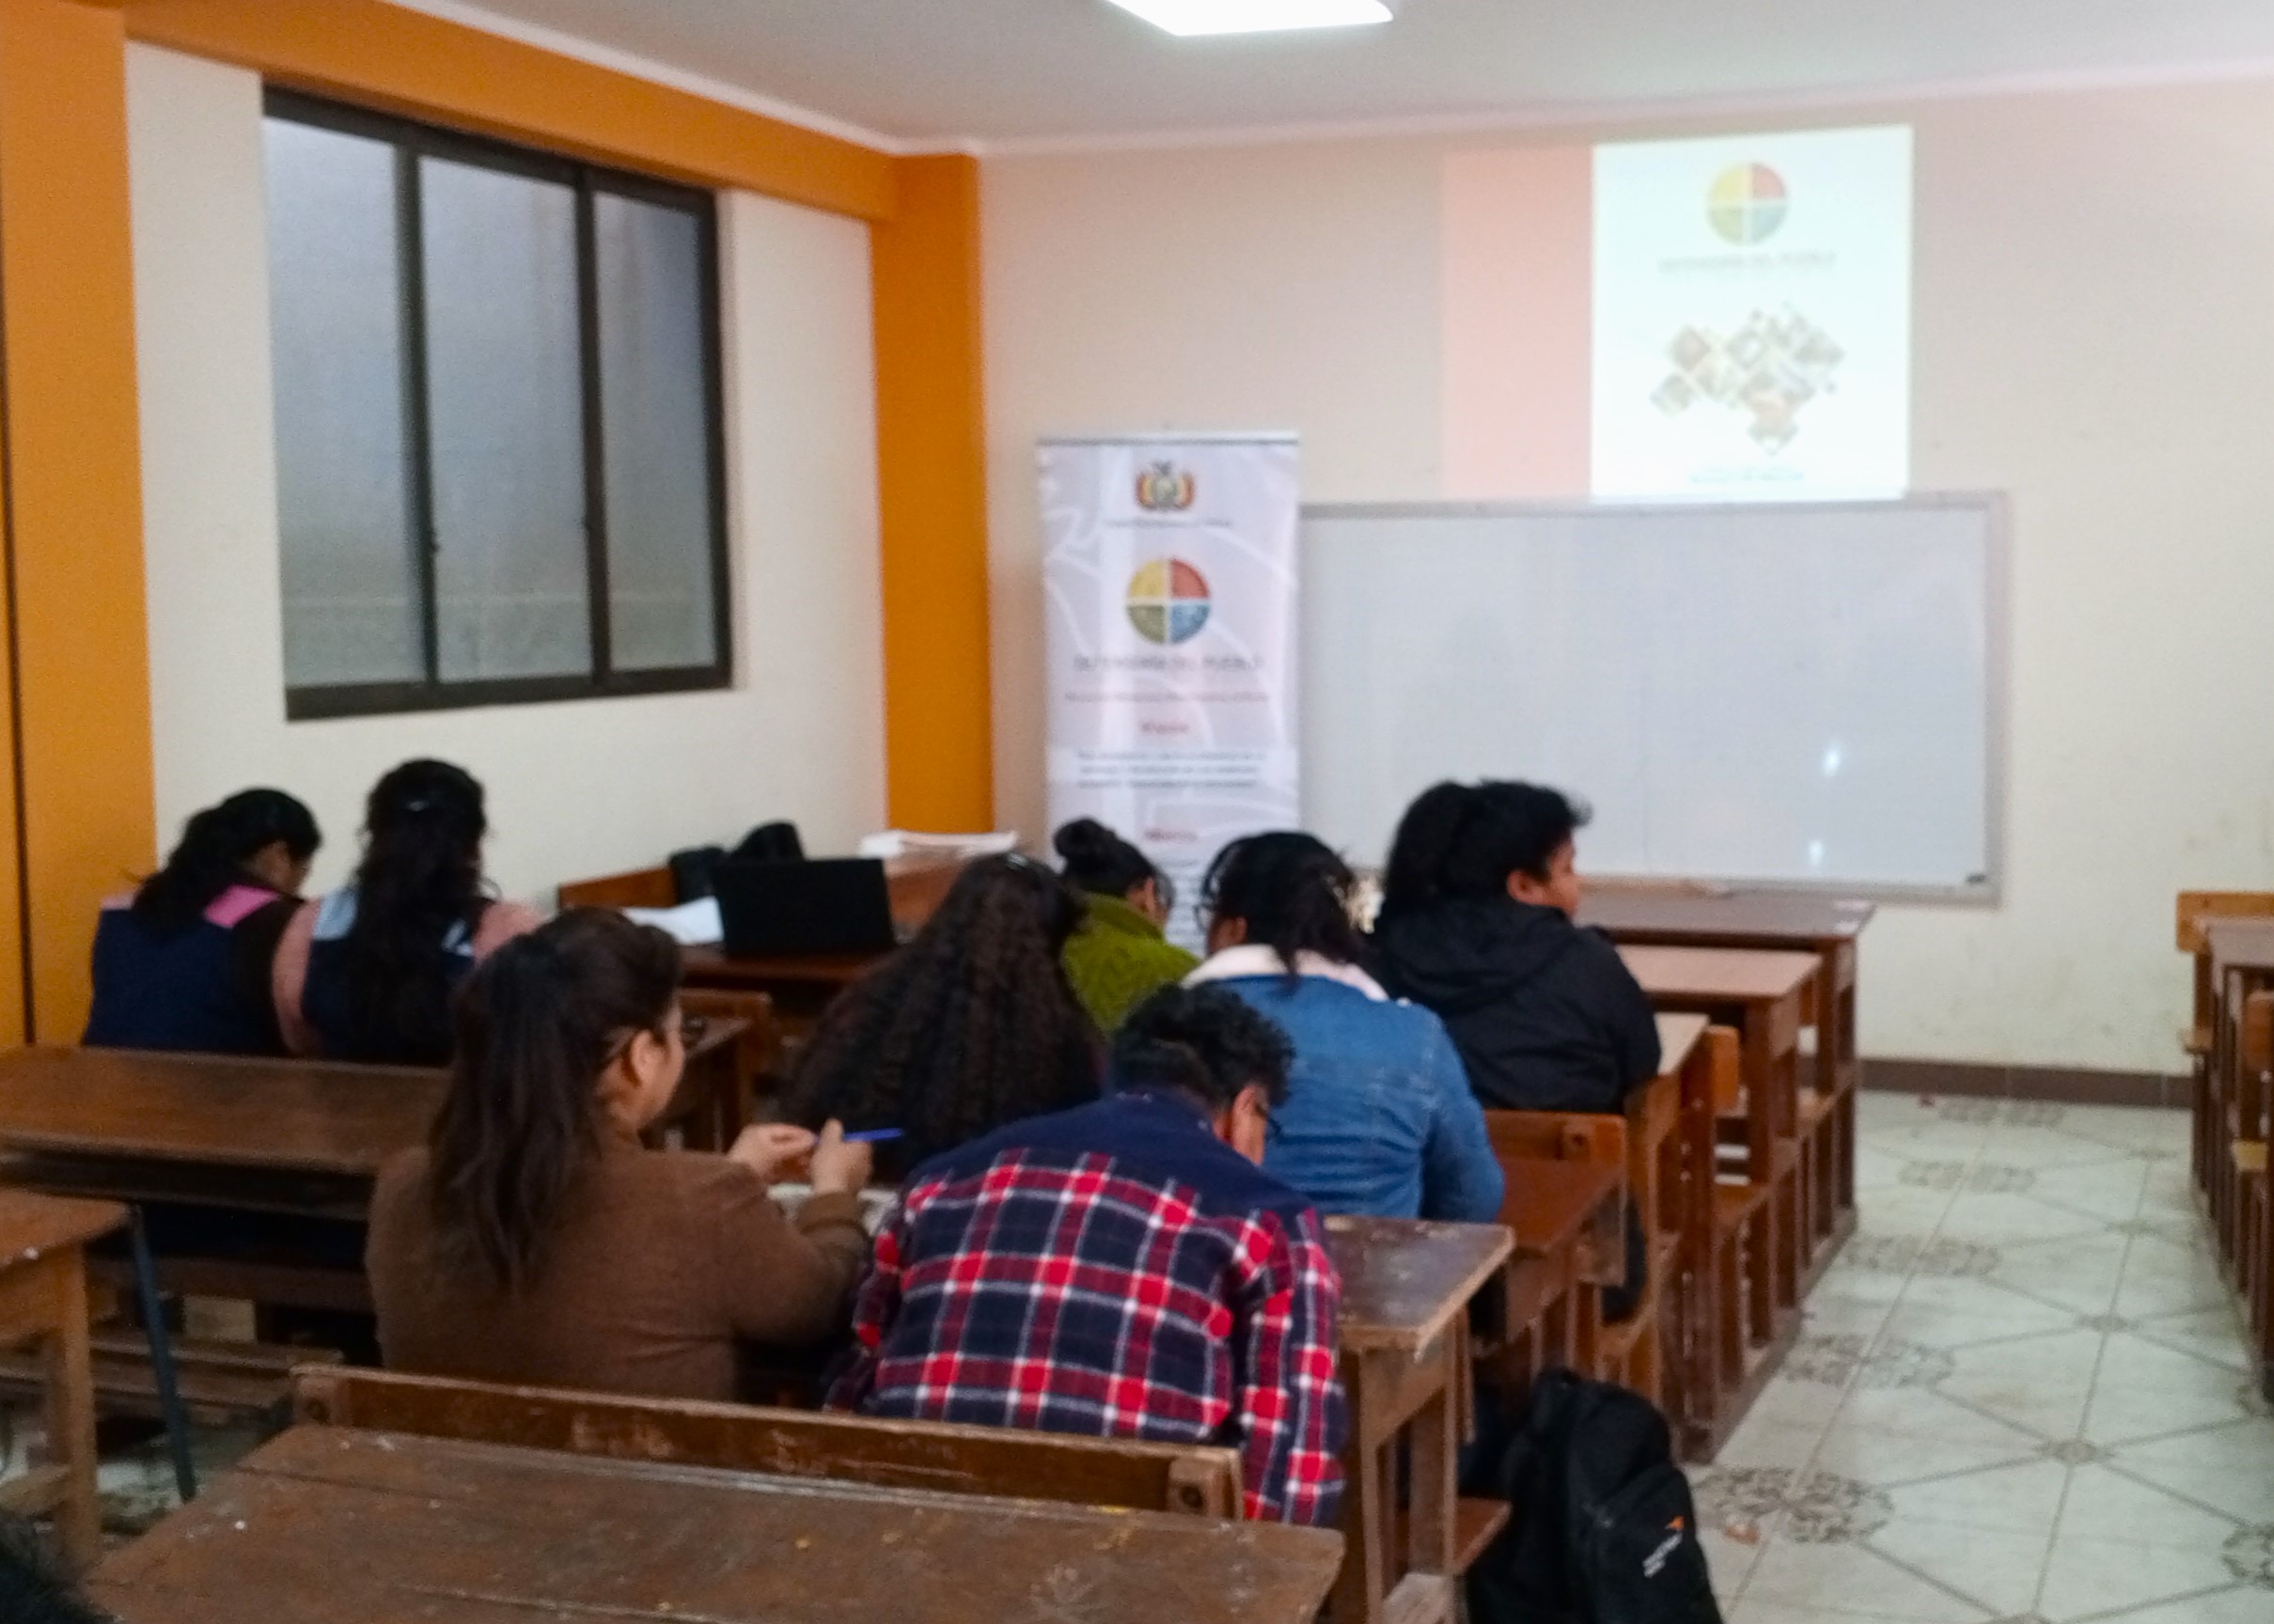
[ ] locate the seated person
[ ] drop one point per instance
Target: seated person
(969, 1026)
(1475, 925)
(185, 963)
(367, 972)
(536, 1241)
(1119, 954)
(1379, 1117)
(1123, 1270)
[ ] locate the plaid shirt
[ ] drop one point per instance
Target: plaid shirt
(1114, 1271)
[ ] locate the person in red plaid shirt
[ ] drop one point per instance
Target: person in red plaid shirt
(1123, 1270)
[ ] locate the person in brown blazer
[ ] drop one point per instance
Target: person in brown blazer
(535, 1240)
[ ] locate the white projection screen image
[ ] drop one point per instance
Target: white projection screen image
(1801, 695)
(1752, 298)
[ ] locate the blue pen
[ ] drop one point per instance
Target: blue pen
(873, 1136)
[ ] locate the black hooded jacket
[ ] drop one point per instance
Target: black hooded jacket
(1545, 1016)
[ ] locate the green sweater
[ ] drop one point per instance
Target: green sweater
(1118, 955)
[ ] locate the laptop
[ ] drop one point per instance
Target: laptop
(829, 905)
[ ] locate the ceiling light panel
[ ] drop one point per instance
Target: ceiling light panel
(1193, 17)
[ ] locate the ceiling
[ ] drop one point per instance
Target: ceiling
(994, 71)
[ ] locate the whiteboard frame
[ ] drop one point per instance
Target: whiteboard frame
(1997, 601)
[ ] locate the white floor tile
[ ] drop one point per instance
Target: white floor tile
(2130, 1414)
(2104, 1503)
(1953, 1313)
(2233, 1605)
(1827, 1579)
(2133, 1361)
(2213, 1334)
(1994, 1568)
(2088, 1577)
(2013, 1218)
(2023, 1500)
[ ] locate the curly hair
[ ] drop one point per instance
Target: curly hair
(1203, 1041)
(971, 1026)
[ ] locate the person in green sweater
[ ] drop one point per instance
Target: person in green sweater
(1118, 954)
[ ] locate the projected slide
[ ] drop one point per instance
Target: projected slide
(1752, 316)
(1724, 319)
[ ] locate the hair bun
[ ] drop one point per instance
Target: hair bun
(1085, 841)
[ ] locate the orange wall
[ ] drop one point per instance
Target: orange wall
(74, 536)
(931, 435)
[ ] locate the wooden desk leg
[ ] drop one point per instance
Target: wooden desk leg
(1361, 1589)
(1432, 1466)
(70, 1404)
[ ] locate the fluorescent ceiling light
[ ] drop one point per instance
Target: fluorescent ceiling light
(1189, 17)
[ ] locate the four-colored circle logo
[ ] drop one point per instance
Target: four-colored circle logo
(1168, 602)
(1748, 204)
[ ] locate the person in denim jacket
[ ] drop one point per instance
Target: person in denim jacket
(1379, 1118)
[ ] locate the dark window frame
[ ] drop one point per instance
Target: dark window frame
(412, 140)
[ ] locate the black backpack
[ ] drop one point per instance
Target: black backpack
(1602, 1529)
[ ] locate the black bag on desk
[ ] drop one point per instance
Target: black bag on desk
(1602, 1529)
(695, 873)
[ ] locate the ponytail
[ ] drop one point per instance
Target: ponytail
(1466, 840)
(215, 845)
(419, 881)
(1292, 891)
(536, 1025)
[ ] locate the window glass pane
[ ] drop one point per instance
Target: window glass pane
(506, 421)
(350, 559)
(654, 407)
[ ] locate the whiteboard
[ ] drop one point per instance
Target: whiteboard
(1795, 695)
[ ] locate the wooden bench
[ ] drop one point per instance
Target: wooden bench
(223, 1384)
(1121, 1473)
(327, 1526)
(2195, 912)
(1640, 1144)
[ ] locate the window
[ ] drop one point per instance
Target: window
(498, 438)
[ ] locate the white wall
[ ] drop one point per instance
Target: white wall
(575, 789)
(2095, 336)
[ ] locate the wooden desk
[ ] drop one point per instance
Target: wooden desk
(43, 1301)
(296, 1138)
(1774, 921)
(334, 1526)
(2233, 1109)
(1407, 1287)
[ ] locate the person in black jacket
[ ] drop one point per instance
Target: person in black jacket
(1475, 925)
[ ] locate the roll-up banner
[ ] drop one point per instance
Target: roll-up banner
(1169, 581)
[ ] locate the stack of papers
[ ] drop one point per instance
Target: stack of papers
(960, 848)
(691, 924)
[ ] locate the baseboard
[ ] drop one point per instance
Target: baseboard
(2068, 1084)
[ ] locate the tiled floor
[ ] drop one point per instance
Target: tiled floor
(2021, 1395)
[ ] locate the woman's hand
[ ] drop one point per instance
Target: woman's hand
(770, 1148)
(839, 1169)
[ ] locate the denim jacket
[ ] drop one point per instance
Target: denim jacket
(1379, 1117)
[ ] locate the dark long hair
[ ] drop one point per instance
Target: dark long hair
(215, 844)
(538, 1022)
(419, 879)
(33, 1589)
(969, 1026)
(1292, 891)
(1098, 860)
(1466, 840)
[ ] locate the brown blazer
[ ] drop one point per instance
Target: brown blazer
(663, 1263)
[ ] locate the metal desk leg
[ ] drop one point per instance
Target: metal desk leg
(162, 1358)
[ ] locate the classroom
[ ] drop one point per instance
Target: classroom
(1390, 810)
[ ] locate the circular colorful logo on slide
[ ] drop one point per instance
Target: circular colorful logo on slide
(1748, 204)
(1168, 602)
